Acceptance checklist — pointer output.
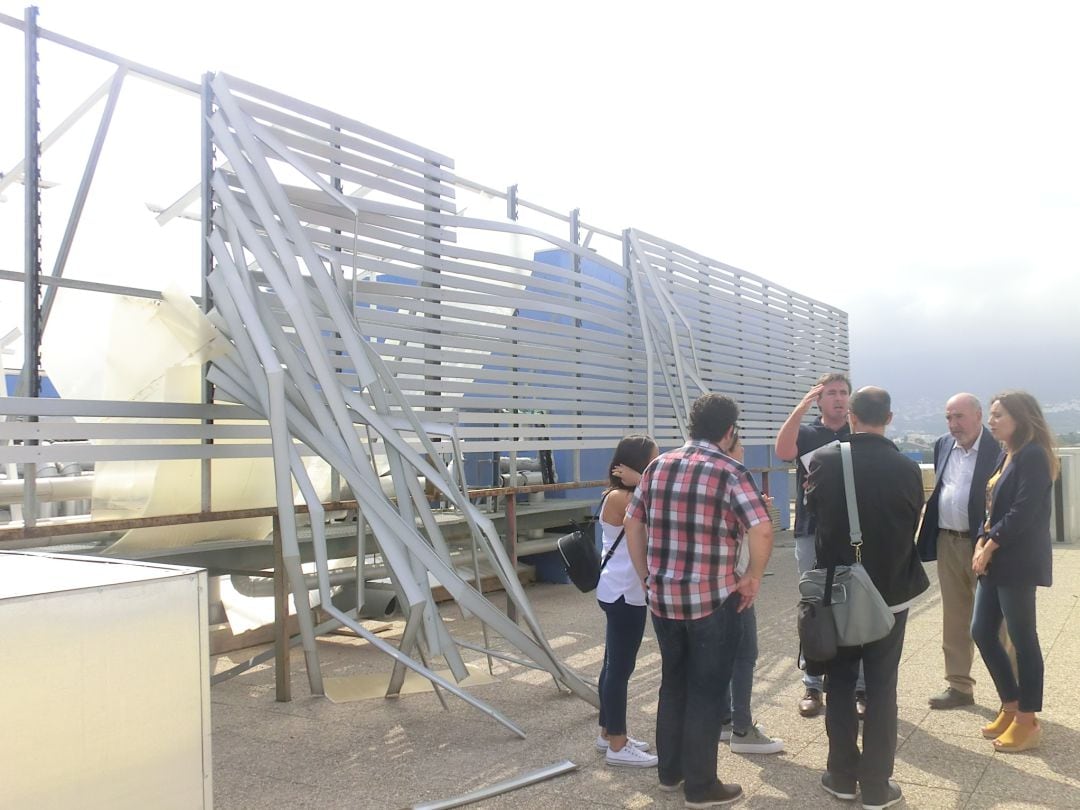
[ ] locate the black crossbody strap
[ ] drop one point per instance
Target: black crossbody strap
(615, 545)
(611, 550)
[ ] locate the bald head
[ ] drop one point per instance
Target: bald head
(963, 415)
(871, 410)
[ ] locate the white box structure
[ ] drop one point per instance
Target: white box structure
(104, 684)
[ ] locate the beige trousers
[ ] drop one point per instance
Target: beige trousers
(957, 582)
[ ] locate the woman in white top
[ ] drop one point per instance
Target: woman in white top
(622, 598)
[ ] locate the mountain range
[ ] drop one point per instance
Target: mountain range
(923, 415)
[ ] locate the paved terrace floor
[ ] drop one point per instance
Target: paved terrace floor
(382, 753)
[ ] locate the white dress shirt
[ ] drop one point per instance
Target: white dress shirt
(956, 487)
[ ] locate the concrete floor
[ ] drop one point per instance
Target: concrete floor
(395, 753)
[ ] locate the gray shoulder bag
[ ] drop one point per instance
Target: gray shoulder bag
(860, 613)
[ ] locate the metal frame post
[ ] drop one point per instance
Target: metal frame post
(575, 267)
(206, 156)
(30, 378)
(282, 673)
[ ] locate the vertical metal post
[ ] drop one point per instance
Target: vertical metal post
(627, 259)
(339, 278)
(1059, 509)
(510, 541)
(206, 215)
(32, 284)
(435, 272)
(282, 676)
(575, 267)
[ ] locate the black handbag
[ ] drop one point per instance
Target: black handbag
(581, 559)
(817, 627)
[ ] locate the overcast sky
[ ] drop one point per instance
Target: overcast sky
(914, 164)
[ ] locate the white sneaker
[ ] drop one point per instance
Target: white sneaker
(603, 745)
(755, 741)
(725, 732)
(630, 757)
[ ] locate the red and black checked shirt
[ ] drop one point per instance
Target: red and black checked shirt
(695, 502)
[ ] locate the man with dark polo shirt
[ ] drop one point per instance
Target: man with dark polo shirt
(830, 393)
(889, 499)
(683, 526)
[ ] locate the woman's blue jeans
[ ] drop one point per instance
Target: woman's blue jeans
(735, 699)
(625, 627)
(1015, 604)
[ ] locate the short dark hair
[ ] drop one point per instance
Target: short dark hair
(635, 451)
(834, 376)
(871, 406)
(712, 416)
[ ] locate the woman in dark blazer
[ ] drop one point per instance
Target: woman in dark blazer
(1012, 557)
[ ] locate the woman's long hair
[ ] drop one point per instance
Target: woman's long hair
(635, 451)
(1031, 425)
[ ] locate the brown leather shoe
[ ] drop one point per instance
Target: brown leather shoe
(810, 705)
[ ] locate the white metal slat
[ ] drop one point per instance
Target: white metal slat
(356, 166)
(335, 119)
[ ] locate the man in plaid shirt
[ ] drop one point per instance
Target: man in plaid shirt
(682, 531)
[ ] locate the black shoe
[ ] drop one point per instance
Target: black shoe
(840, 788)
(951, 699)
(893, 794)
(860, 703)
(810, 705)
(717, 796)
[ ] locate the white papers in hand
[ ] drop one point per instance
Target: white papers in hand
(805, 457)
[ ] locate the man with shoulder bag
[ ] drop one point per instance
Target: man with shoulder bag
(888, 499)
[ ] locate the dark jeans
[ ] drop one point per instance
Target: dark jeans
(873, 766)
(1016, 604)
(697, 655)
(625, 627)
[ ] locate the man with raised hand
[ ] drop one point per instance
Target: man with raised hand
(795, 439)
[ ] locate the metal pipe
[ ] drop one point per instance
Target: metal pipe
(254, 585)
(526, 779)
(49, 489)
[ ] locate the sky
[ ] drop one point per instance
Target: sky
(915, 164)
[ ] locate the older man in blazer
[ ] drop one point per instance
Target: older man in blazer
(964, 460)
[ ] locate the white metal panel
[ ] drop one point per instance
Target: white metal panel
(91, 720)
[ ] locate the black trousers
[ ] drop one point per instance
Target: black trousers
(873, 766)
